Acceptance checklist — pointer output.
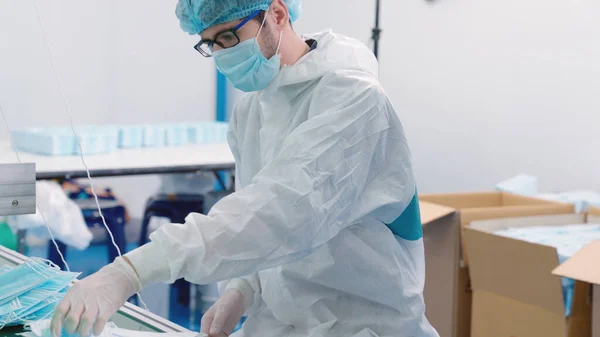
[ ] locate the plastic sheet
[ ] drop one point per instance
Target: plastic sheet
(62, 215)
(527, 185)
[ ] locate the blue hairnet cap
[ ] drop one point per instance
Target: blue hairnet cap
(195, 16)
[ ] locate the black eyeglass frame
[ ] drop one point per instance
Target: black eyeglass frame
(211, 43)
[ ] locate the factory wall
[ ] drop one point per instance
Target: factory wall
(486, 89)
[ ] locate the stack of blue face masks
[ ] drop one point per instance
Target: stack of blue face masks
(31, 291)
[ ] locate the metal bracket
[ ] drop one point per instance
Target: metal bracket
(17, 189)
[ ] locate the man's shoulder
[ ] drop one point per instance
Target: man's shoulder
(350, 82)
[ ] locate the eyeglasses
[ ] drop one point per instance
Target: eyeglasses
(225, 39)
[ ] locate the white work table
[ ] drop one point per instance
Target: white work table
(128, 162)
(182, 159)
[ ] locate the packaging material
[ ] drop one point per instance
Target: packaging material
(131, 136)
(521, 184)
(176, 134)
(447, 288)
(583, 267)
(154, 136)
(46, 142)
(441, 239)
(208, 133)
(567, 240)
(587, 197)
(582, 199)
(527, 185)
(63, 216)
(514, 291)
(96, 140)
(61, 141)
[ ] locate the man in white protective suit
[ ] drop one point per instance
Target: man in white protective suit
(323, 235)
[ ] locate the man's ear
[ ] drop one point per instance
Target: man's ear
(279, 14)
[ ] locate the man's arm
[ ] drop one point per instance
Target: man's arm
(297, 203)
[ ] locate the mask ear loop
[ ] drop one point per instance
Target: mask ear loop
(8, 318)
(279, 44)
(263, 22)
(261, 27)
(35, 264)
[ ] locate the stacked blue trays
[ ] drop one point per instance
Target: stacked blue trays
(176, 134)
(44, 141)
(97, 140)
(154, 136)
(208, 133)
(131, 136)
(60, 141)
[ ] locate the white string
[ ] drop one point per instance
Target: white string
(263, 22)
(77, 139)
(37, 205)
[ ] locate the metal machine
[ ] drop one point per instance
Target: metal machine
(17, 189)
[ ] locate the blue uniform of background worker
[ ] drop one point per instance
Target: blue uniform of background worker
(322, 236)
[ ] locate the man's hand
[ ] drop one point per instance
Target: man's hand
(224, 315)
(95, 299)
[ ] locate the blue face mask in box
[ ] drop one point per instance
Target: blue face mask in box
(27, 276)
(246, 66)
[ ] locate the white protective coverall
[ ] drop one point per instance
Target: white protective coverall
(325, 181)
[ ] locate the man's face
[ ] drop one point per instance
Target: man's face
(267, 39)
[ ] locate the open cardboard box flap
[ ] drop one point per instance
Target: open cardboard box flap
(583, 266)
(594, 215)
(494, 205)
(524, 268)
(482, 200)
(431, 212)
(512, 279)
(514, 269)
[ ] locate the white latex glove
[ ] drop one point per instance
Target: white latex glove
(224, 315)
(95, 299)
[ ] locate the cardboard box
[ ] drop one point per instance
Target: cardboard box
(585, 267)
(514, 291)
(441, 240)
(447, 287)
(492, 205)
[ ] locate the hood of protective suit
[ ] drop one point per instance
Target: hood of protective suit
(334, 52)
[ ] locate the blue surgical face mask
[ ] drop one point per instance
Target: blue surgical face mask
(25, 303)
(34, 294)
(26, 276)
(246, 66)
